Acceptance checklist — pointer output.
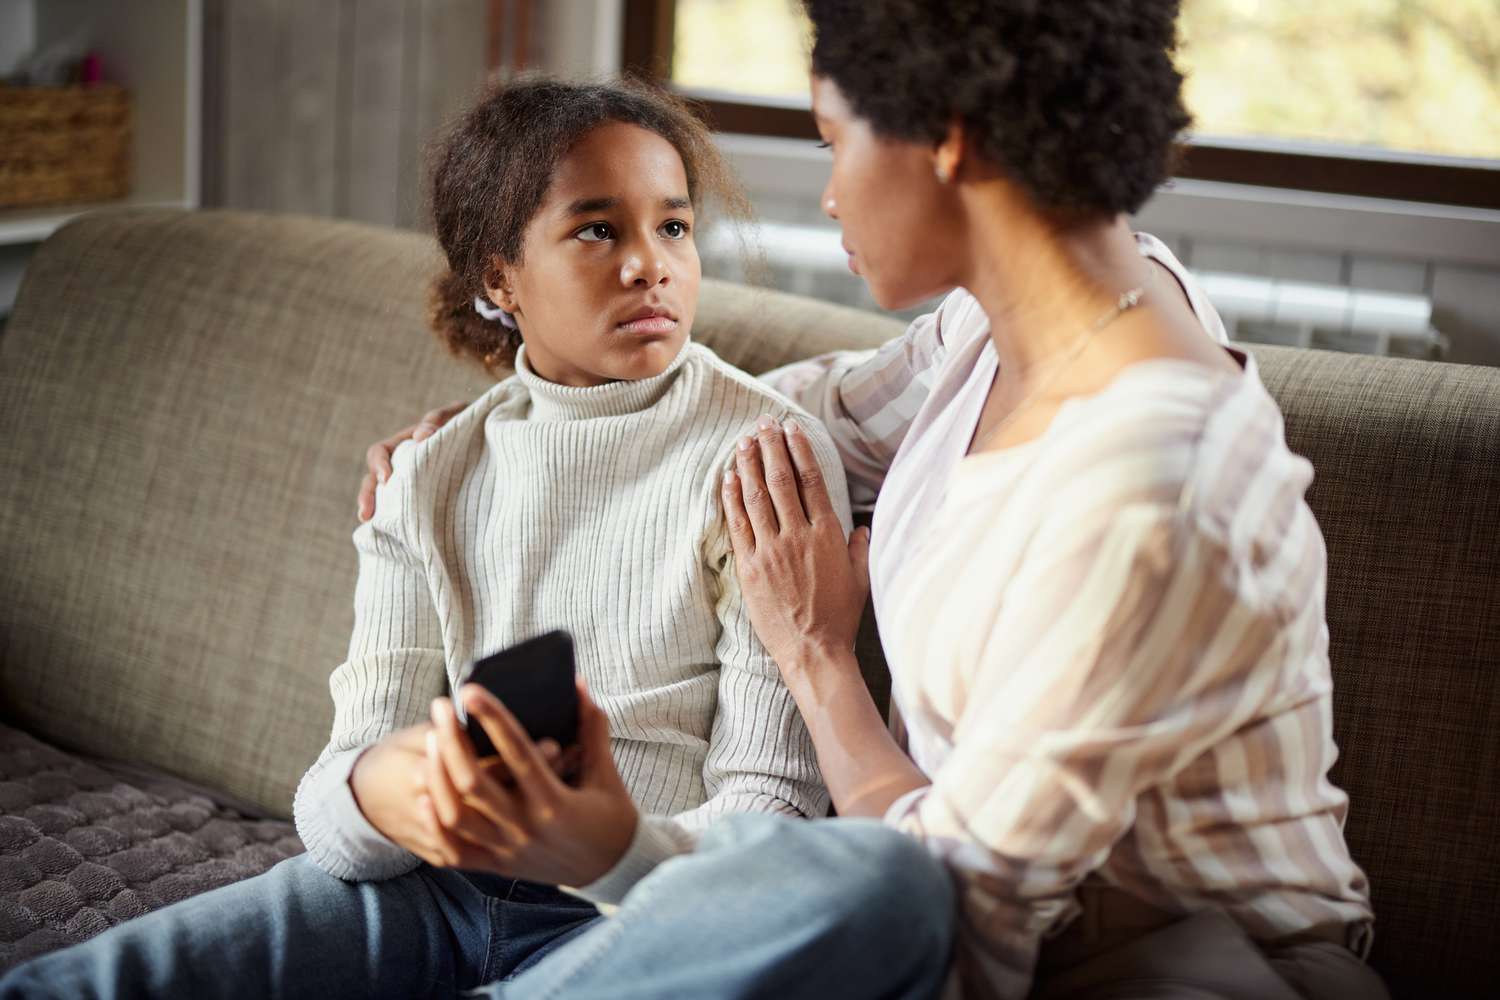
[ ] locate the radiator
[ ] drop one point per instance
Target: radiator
(1265, 310)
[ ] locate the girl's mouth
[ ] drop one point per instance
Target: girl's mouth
(648, 325)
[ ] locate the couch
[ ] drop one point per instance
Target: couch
(185, 400)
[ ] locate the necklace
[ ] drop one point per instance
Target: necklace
(1126, 302)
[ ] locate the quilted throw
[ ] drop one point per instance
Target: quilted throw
(85, 845)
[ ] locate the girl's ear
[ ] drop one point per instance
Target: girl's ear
(499, 289)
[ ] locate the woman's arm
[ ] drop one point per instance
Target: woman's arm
(868, 399)
(788, 539)
(1123, 650)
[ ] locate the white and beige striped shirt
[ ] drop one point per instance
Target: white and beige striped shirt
(1107, 645)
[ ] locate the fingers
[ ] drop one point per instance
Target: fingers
(781, 475)
(756, 498)
(378, 456)
(811, 485)
(741, 532)
(859, 556)
(434, 419)
(533, 777)
(465, 800)
(366, 507)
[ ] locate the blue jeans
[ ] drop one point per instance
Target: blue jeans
(767, 906)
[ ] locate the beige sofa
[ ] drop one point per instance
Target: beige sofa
(185, 399)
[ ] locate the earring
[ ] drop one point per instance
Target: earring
(944, 173)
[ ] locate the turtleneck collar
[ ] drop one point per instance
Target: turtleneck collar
(551, 401)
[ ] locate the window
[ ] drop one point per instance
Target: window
(1383, 98)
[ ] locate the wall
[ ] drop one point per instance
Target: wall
(325, 108)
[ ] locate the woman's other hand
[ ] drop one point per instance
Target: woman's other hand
(804, 585)
(535, 826)
(378, 455)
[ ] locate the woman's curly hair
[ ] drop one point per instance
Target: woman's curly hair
(1077, 101)
(490, 172)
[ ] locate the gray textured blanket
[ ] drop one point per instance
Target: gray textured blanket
(85, 845)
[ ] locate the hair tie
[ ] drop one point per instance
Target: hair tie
(490, 311)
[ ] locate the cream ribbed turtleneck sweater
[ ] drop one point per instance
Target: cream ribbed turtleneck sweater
(596, 510)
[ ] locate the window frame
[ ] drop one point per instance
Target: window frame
(646, 50)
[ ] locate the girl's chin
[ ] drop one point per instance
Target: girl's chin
(644, 357)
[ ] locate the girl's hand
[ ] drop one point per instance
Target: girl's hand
(536, 828)
(804, 585)
(390, 778)
(378, 455)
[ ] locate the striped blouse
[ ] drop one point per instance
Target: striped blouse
(1107, 645)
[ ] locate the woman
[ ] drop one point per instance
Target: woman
(1099, 586)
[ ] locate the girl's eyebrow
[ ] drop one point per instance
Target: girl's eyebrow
(588, 206)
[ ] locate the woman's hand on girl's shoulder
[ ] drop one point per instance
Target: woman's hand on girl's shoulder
(804, 584)
(378, 455)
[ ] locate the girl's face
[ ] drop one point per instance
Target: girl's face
(608, 283)
(901, 225)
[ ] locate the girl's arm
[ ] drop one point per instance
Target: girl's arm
(760, 755)
(395, 667)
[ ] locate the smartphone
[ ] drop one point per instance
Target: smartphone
(533, 679)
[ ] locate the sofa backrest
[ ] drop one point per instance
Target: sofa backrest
(186, 398)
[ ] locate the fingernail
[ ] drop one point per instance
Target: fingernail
(746, 443)
(728, 476)
(792, 427)
(431, 742)
(380, 475)
(766, 423)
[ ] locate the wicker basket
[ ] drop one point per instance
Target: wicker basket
(64, 144)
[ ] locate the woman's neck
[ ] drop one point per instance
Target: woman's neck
(1043, 288)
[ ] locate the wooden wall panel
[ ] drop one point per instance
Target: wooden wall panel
(327, 107)
(373, 122)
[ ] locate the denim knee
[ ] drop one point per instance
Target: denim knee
(894, 888)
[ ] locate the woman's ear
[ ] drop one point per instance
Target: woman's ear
(948, 155)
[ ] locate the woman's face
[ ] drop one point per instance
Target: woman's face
(608, 283)
(901, 225)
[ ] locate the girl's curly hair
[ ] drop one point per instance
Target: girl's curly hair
(1077, 102)
(491, 170)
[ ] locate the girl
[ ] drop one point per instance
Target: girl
(582, 492)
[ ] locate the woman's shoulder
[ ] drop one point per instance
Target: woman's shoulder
(1166, 434)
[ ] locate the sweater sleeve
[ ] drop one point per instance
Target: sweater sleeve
(395, 667)
(867, 400)
(760, 755)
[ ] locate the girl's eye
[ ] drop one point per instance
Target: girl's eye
(675, 230)
(825, 144)
(595, 232)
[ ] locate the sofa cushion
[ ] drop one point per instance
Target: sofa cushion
(85, 845)
(190, 396)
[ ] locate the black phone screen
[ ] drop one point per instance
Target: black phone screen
(534, 679)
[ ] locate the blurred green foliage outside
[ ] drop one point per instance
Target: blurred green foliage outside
(1418, 76)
